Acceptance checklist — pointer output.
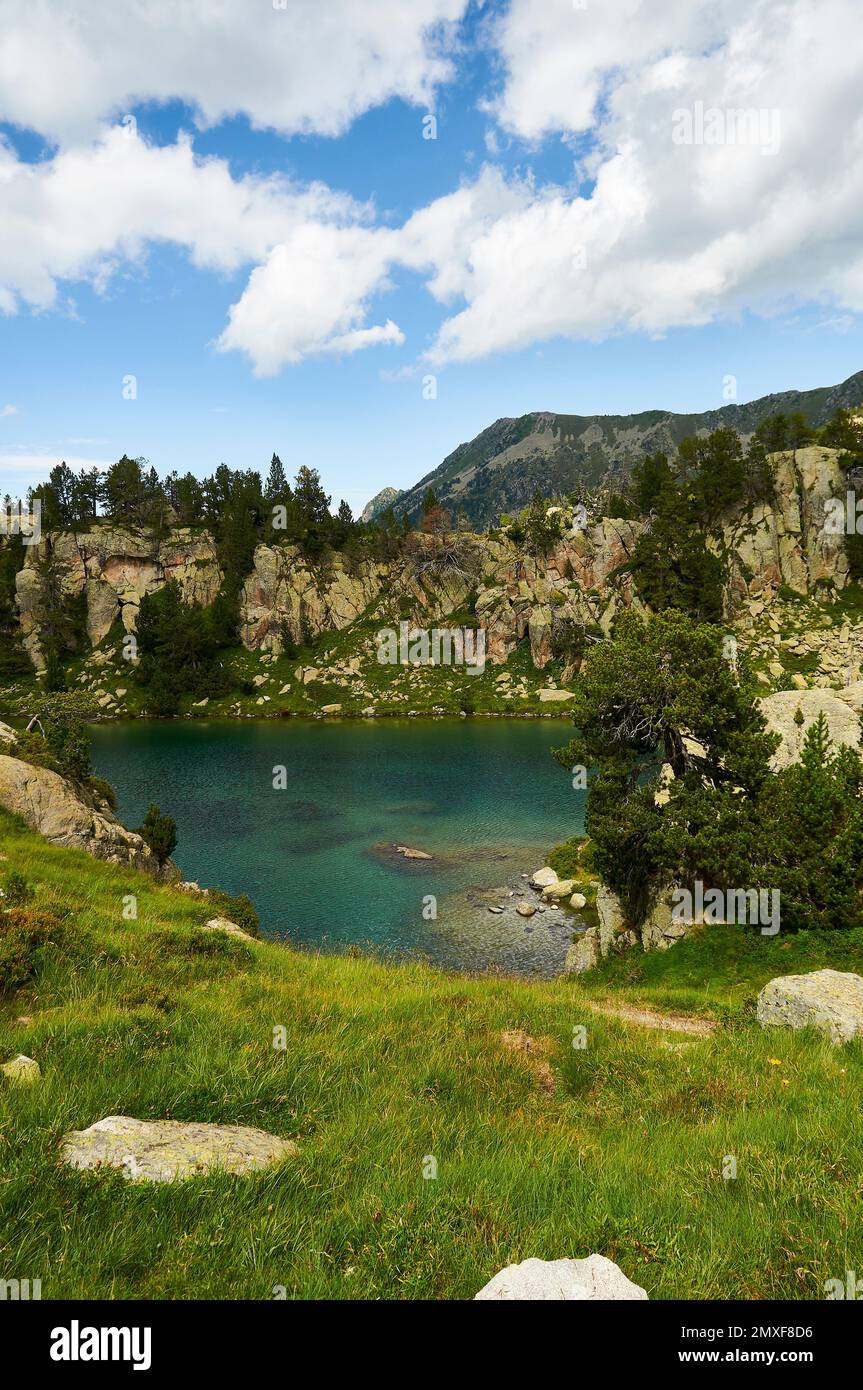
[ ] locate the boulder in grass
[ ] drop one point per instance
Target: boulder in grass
(21, 1071)
(595, 1278)
(168, 1150)
(829, 1000)
(226, 925)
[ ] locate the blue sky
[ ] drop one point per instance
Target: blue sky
(661, 315)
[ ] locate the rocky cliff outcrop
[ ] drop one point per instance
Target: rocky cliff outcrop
(583, 580)
(786, 542)
(49, 804)
(116, 566)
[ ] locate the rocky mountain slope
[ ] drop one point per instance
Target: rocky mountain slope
(502, 467)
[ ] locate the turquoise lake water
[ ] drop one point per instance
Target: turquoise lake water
(483, 797)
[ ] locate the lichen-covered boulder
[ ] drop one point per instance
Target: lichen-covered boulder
(829, 1000)
(21, 1071)
(595, 1278)
(167, 1150)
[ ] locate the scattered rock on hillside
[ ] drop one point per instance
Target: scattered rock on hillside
(829, 1000)
(591, 1279)
(21, 1071)
(225, 925)
(166, 1150)
(780, 709)
(50, 805)
(578, 901)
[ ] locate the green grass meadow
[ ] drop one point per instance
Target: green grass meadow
(619, 1148)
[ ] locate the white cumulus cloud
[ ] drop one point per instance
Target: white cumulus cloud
(290, 65)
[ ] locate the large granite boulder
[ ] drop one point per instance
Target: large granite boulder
(595, 1278)
(781, 708)
(167, 1150)
(52, 806)
(829, 1000)
(543, 878)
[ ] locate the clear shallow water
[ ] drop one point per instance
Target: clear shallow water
(484, 797)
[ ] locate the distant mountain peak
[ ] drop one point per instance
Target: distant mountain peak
(379, 503)
(501, 468)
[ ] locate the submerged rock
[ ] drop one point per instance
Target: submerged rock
(167, 1150)
(829, 1000)
(595, 1278)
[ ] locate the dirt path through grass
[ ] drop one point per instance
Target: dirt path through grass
(648, 1018)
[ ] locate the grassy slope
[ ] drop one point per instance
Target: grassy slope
(387, 1064)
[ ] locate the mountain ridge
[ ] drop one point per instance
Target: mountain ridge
(501, 467)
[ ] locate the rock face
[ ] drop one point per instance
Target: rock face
(167, 1150)
(582, 581)
(116, 566)
(829, 1000)
(595, 1278)
(780, 709)
(660, 929)
(50, 805)
(610, 917)
(584, 953)
(786, 543)
(285, 597)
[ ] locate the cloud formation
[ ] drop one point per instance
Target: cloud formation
(296, 66)
(717, 168)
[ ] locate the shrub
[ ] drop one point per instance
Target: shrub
(238, 909)
(565, 860)
(104, 791)
(24, 934)
(160, 833)
(17, 891)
